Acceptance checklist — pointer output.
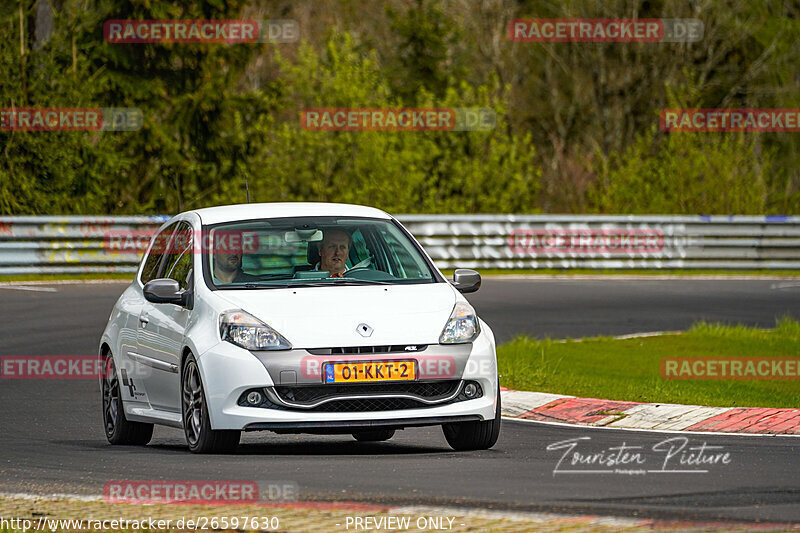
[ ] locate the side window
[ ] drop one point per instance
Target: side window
(178, 262)
(409, 268)
(358, 249)
(154, 259)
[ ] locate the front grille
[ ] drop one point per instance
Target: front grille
(344, 406)
(349, 350)
(430, 390)
(367, 404)
(336, 403)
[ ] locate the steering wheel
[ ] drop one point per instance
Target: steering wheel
(361, 265)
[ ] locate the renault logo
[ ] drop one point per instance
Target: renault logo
(364, 330)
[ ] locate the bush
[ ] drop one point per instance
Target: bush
(401, 172)
(679, 173)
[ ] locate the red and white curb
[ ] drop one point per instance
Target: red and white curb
(557, 408)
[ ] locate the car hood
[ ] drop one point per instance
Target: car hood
(322, 317)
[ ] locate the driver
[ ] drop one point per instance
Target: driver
(334, 250)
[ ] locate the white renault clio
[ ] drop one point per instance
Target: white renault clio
(296, 318)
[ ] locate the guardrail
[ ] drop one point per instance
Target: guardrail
(68, 245)
(30, 245)
(609, 241)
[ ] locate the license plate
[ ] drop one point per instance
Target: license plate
(370, 371)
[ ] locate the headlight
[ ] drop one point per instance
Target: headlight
(245, 330)
(462, 326)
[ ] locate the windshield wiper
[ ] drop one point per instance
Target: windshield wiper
(327, 283)
(262, 284)
(266, 280)
(353, 281)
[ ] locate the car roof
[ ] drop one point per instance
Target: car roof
(231, 213)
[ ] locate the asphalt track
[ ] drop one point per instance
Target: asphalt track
(52, 440)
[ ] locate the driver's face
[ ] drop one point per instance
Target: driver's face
(333, 251)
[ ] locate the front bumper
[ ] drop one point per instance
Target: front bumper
(228, 371)
(349, 426)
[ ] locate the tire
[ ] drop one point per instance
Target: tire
(119, 430)
(373, 436)
(463, 436)
(196, 424)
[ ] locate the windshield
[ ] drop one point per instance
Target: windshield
(311, 251)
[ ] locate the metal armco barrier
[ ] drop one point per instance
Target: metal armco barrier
(80, 244)
(609, 241)
(68, 245)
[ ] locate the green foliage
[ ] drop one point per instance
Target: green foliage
(192, 103)
(575, 121)
(46, 172)
(428, 56)
(679, 173)
(406, 172)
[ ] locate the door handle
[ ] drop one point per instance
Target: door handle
(143, 320)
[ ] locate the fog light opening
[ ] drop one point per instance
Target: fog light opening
(470, 390)
(254, 398)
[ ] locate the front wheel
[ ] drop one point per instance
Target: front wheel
(483, 435)
(196, 424)
(119, 430)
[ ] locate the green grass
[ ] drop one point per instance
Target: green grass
(628, 369)
(631, 272)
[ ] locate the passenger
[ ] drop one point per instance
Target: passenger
(228, 265)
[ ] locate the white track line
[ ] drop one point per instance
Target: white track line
(646, 334)
(788, 285)
(66, 282)
(28, 288)
(56, 496)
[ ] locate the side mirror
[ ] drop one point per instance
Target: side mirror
(165, 291)
(466, 280)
